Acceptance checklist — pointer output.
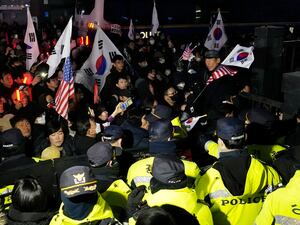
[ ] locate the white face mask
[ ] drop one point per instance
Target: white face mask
(181, 85)
(152, 42)
(144, 64)
(197, 59)
(161, 60)
(98, 128)
(167, 72)
(174, 50)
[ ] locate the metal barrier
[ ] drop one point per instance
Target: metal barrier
(263, 102)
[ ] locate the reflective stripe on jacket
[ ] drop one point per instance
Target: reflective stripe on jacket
(236, 210)
(185, 198)
(283, 205)
(139, 173)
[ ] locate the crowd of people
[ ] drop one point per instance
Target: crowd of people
(128, 155)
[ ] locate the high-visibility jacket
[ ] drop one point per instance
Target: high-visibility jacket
(5, 193)
(100, 211)
(283, 205)
(179, 131)
(266, 153)
(236, 210)
(185, 198)
(139, 173)
(117, 194)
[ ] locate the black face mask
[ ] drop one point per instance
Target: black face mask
(175, 98)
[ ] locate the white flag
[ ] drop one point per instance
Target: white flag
(155, 23)
(216, 38)
(240, 56)
(131, 31)
(191, 122)
(61, 49)
(32, 50)
(98, 64)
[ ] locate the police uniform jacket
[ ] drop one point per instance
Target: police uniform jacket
(184, 198)
(235, 188)
(139, 173)
(282, 206)
(100, 211)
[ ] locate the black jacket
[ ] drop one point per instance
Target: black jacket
(68, 147)
(106, 176)
(139, 136)
(83, 143)
(16, 217)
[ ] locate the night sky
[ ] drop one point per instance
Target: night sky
(181, 12)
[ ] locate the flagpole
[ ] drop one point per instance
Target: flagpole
(199, 95)
(195, 100)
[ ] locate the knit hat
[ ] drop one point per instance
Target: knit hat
(160, 130)
(160, 112)
(12, 142)
(168, 170)
(51, 152)
(99, 154)
(230, 128)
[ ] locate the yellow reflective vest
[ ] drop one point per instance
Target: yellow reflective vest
(266, 153)
(139, 173)
(283, 205)
(236, 210)
(101, 210)
(179, 131)
(184, 198)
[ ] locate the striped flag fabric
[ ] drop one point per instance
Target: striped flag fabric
(187, 53)
(65, 90)
(220, 72)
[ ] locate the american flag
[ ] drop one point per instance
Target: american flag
(65, 90)
(187, 53)
(220, 72)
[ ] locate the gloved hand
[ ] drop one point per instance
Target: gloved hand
(202, 139)
(135, 202)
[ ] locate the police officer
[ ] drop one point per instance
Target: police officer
(281, 206)
(160, 143)
(114, 136)
(169, 186)
(235, 185)
(81, 203)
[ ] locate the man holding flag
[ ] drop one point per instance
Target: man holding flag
(218, 83)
